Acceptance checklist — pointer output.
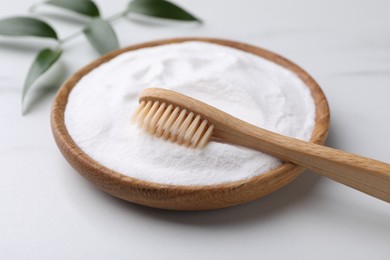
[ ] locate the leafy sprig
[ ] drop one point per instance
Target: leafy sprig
(97, 30)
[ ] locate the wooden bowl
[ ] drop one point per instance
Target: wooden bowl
(179, 197)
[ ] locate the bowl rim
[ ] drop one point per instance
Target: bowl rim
(70, 149)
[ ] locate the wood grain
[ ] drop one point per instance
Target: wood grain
(178, 197)
(367, 175)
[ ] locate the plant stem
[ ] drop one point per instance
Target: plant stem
(70, 37)
(116, 17)
(110, 19)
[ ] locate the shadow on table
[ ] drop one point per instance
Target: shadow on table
(259, 210)
(289, 198)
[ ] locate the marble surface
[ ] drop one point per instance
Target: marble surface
(48, 211)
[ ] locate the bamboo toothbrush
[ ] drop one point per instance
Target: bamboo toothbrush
(192, 123)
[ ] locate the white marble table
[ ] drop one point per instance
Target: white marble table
(48, 211)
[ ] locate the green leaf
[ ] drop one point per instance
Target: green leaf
(43, 61)
(101, 35)
(84, 7)
(160, 9)
(26, 26)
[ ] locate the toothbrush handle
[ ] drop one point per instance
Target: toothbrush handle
(367, 175)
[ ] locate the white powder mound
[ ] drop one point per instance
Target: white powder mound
(251, 88)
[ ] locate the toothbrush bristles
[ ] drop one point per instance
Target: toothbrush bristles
(173, 123)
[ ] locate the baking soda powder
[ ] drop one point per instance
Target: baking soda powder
(100, 107)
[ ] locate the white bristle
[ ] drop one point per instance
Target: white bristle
(184, 127)
(156, 117)
(136, 113)
(205, 138)
(191, 129)
(198, 134)
(151, 113)
(171, 120)
(176, 124)
(163, 119)
(143, 112)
